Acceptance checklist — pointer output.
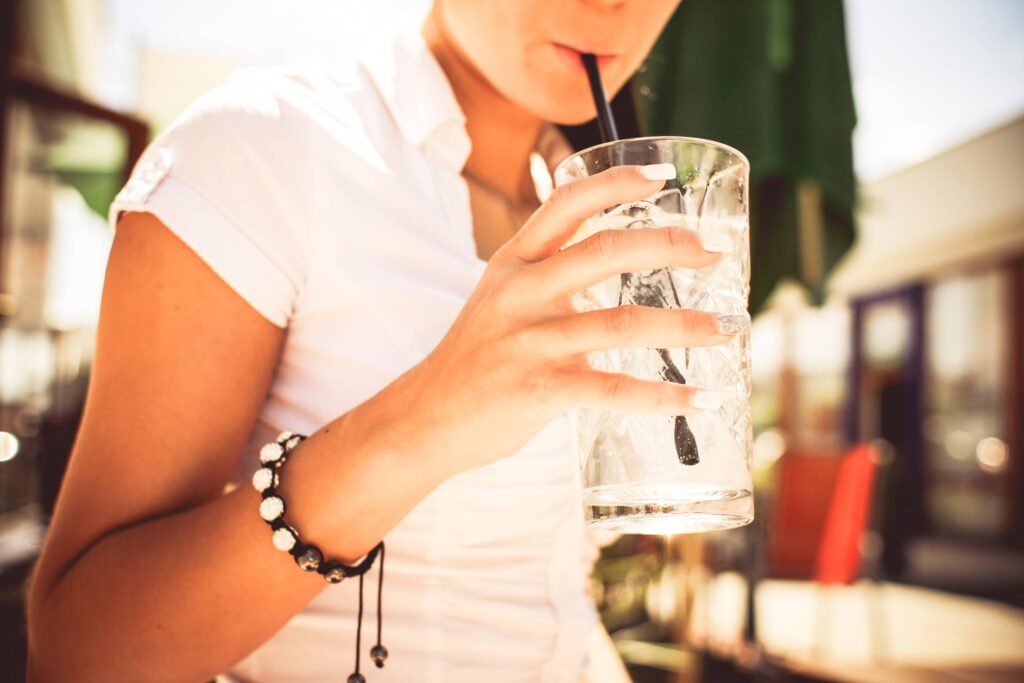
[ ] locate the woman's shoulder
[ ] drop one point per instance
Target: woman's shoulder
(234, 175)
(246, 171)
(274, 107)
(266, 133)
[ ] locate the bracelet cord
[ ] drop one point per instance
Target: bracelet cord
(379, 653)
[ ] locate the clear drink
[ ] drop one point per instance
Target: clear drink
(663, 474)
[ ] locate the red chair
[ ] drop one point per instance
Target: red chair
(839, 557)
(849, 542)
(822, 529)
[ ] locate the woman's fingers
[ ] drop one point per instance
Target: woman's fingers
(634, 325)
(626, 393)
(614, 251)
(559, 217)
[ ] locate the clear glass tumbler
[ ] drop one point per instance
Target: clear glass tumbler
(652, 474)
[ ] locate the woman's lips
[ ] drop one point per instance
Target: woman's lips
(572, 57)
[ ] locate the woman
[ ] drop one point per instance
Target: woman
(358, 253)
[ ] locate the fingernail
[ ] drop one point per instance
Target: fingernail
(705, 400)
(659, 171)
(716, 242)
(732, 323)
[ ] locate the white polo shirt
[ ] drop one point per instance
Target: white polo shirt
(330, 198)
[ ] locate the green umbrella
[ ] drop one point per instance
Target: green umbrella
(771, 78)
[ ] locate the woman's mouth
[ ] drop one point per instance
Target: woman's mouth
(573, 57)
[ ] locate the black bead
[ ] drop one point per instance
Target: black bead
(378, 654)
(310, 558)
(356, 678)
(333, 572)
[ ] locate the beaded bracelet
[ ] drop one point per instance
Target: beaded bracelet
(308, 556)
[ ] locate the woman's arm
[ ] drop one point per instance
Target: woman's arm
(149, 572)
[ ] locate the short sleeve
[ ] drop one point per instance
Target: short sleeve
(228, 177)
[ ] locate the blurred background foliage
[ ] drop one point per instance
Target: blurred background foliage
(771, 78)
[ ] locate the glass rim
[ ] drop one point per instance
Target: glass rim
(672, 138)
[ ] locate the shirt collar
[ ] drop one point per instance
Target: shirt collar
(418, 94)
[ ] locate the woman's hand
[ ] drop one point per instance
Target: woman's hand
(516, 354)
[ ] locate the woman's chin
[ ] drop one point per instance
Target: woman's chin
(564, 111)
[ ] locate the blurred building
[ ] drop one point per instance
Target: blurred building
(920, 344)
(937, 292)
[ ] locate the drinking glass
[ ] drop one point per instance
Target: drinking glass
(652, 474)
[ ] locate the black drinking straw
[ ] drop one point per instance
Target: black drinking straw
(686, 443)
(605, 120)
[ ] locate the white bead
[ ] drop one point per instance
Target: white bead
(292, 442)
(271, 508)
(284, 539)
(263, 477)
(283, 435)
(271, 452)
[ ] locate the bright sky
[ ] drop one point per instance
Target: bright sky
(928, 74)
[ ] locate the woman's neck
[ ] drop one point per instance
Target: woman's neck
(502, 133)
